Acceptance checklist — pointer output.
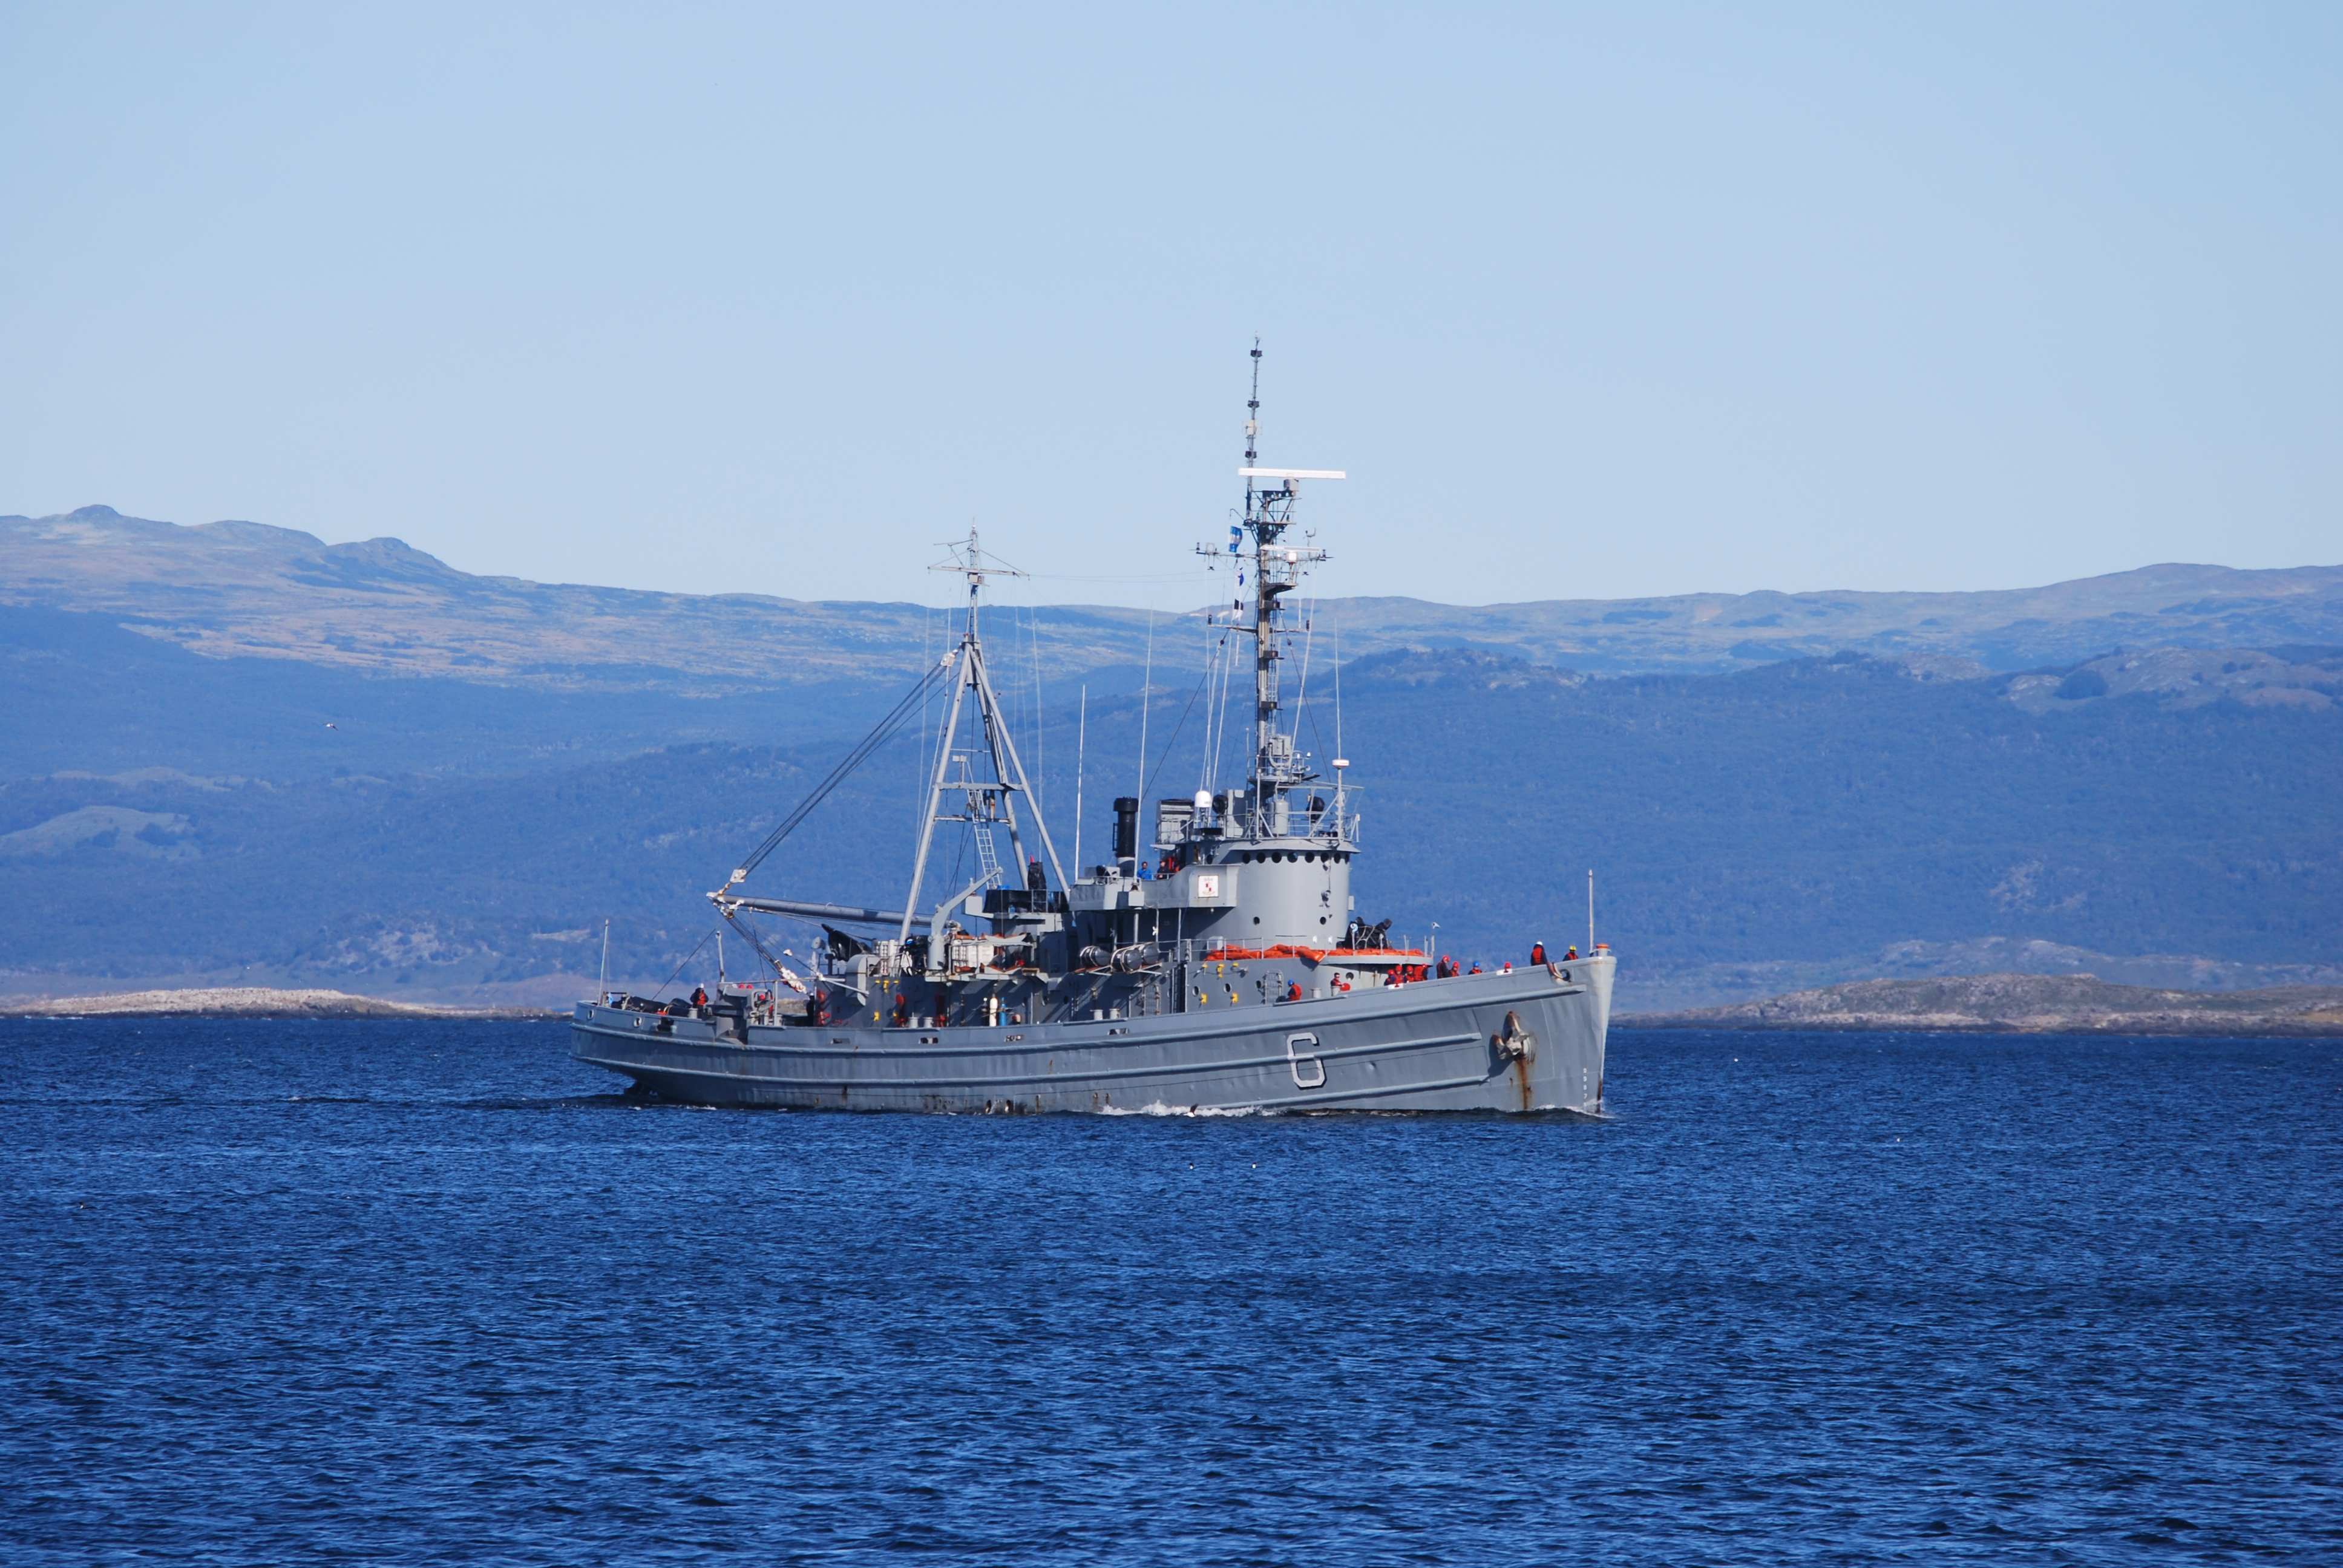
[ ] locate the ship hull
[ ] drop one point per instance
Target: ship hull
(1524, 1041)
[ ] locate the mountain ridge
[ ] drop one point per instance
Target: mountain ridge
(316, 763)
(238, 588)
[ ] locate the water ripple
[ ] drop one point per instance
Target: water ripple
(428, 1293)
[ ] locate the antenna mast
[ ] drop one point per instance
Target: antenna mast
(1277, 764)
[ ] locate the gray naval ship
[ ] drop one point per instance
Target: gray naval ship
(1218, 968)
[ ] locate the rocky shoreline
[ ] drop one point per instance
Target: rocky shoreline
(242, 1001)
(2021, 1004)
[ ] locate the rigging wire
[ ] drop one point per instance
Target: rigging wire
(880, 734)
(779, 968)
(1208, 765)
(1165, 756)
(1337, 629)
(1228, 676)
(1182, 576)
(932, 760)
(1146, 678)
(689, 956)
(1302, 694)
(927, 655)
(1041, 762)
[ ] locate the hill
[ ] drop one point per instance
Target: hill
(240, 756)
(1802, 823)
(84, 693)
(2016, 1003)
(1829, 819)
(241, 588)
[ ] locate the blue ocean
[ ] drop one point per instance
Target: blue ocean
(394, 1293)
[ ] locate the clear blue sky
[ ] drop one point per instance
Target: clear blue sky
(1601, 301)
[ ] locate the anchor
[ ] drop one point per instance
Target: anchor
(1517, 1044)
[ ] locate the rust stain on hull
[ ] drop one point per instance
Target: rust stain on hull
(1518, 1046)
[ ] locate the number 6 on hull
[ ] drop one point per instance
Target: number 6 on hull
(1297, 1061)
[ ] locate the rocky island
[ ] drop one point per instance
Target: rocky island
(240, 1001)
(2022, 1004)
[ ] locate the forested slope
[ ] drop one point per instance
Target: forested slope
(1812, 813)
(1821, 809)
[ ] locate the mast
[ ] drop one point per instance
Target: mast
(1278, 765)
(988, 795)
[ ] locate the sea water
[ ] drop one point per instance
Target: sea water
(431, 1292)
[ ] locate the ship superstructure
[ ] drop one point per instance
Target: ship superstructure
(1215, 962)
